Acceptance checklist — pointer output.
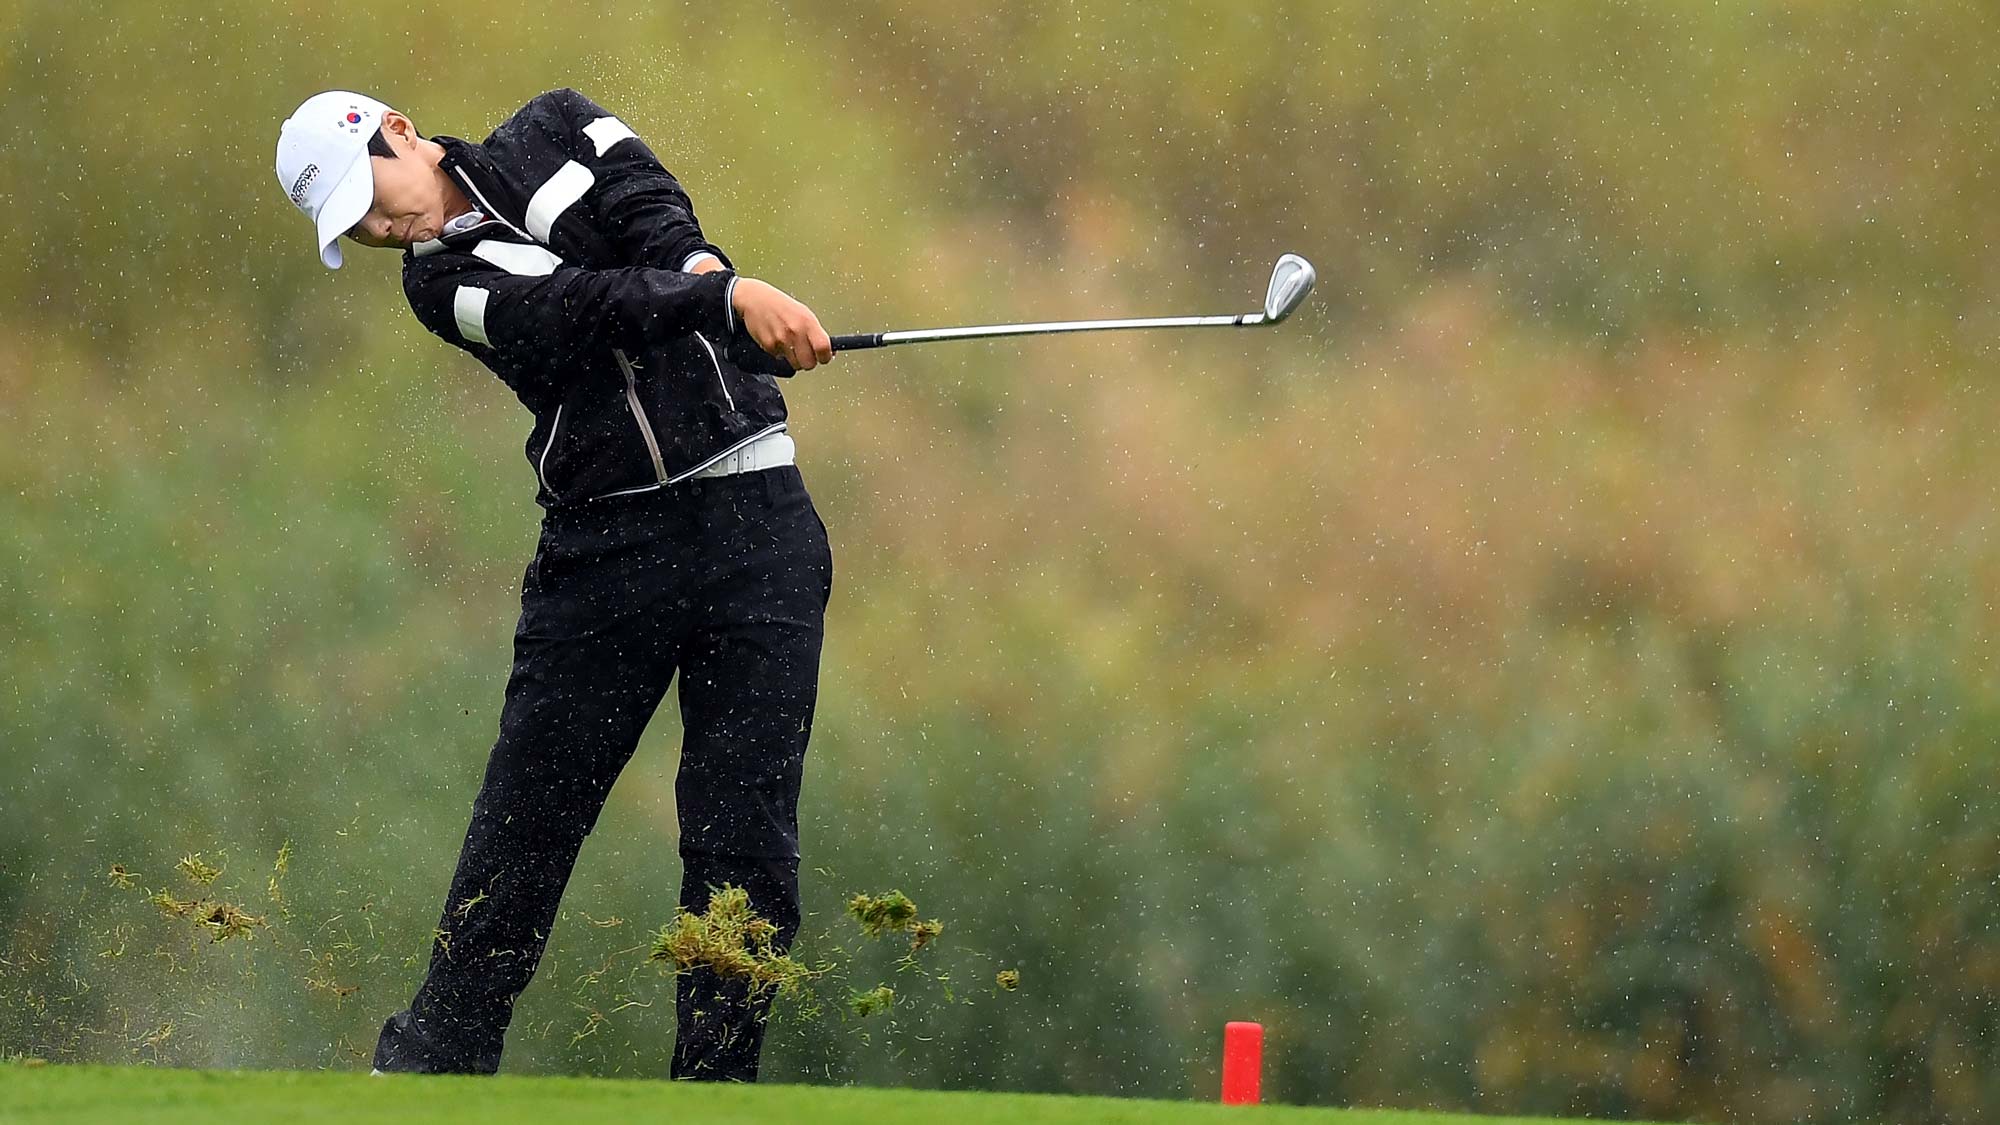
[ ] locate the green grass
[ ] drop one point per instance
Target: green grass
(162, 1096)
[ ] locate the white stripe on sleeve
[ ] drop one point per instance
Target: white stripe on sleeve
(554, 197)
(468, 308)
(605, 132)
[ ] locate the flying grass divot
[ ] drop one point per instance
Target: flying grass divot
(872, 1002)
(198, 871)
(221, 920)
(733, 940)
(729, 937)
(213, 913)
(737, 943)
(893, 913)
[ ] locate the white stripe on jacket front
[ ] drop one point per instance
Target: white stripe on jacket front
(553, 198)
(468, 308)
(605, 132)
(517, 257)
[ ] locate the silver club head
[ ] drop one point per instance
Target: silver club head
(1291, 280)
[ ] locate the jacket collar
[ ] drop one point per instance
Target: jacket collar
(459, 153)
(471, 169)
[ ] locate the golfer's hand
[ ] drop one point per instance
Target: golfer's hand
(780, 325)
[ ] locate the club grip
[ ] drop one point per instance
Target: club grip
(857, 341)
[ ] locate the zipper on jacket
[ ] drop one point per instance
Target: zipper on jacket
(720, 381)
(541, 466)
(491, 210)
(639, 413)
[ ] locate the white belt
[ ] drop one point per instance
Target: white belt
(767, 452)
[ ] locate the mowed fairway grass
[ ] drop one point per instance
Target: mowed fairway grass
(129, 1095)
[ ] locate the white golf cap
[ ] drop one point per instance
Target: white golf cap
(323, 163)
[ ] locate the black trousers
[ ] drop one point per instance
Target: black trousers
(723, 579)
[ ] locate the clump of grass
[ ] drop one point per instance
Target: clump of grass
(893, 913)
(223, 920)
(199, 872)
(878, 999)
(120, 877)
(733, 940)
(882, 914)
(1008, 979)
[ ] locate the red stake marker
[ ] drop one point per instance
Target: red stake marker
(1242, 1063)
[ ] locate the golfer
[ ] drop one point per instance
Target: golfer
(677, 535)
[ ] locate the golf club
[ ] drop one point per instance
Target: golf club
(1291, 280)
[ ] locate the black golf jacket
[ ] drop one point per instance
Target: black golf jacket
(572, 290)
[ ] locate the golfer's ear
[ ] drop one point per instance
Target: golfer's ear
(399, 125)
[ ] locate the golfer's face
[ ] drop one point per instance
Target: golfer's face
(408, 207)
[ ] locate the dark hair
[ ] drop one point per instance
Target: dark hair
(378, 145)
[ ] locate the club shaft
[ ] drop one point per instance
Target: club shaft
(1047, 328)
